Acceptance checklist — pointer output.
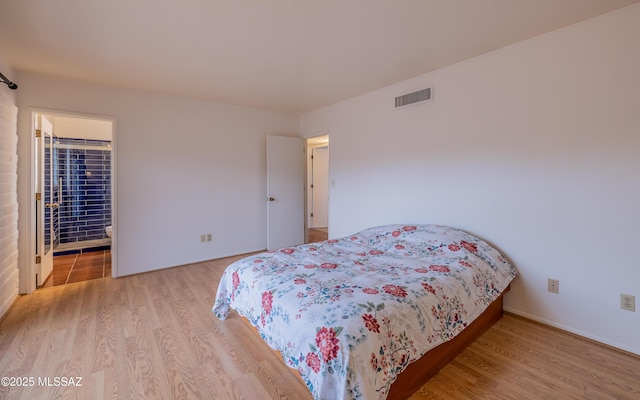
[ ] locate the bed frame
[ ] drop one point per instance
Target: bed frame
(419, 372)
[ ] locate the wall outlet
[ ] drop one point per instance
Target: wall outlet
(203, 238)
(628, 302)
(208, 237)
(553, 286)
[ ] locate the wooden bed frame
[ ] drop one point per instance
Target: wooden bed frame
(419, 372)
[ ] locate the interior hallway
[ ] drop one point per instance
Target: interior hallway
(317, 234)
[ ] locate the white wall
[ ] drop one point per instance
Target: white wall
(535, 147)
(8, 193)
(73, 127)
(184, 168)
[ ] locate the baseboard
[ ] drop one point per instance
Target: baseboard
(574, 332)
(8, 310)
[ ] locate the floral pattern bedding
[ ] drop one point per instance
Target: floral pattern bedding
(350, 314)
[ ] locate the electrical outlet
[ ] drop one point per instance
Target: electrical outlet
(553, 286)
(208, 237)
(203, 238)
(628, 302)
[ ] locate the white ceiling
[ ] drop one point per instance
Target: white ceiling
(287, 55)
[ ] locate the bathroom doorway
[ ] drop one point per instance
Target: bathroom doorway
(73, 175)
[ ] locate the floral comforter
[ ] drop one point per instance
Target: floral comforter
(350, 314)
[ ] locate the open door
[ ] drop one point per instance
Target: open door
(319, 188)
(285, 191)
(46, 200)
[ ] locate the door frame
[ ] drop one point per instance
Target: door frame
(27, 280)
(317, 140)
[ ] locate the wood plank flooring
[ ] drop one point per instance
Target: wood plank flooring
(317, 234)
(153, 336)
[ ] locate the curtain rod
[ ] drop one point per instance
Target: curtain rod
(11, 85)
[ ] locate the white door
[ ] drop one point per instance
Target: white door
(319, 187)
(285, 191)
(45, 204)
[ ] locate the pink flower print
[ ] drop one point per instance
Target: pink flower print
(361, 254)
(395, 290)
(309, 266)
(287, 251)
(236, 280)
(371, 323)
(328, 266)
(299, 281)
(313, 248)
(313, 361)
(453, 247)
(375, 252)
(469, 246)
(439, 268)
(370, 291)
(409, 228)
(428, 288)
(396, 233)
(466, 264)
(257, 261)
(332, 241)
(399, 247)
(400, 362)
(374, 362)
(354, 238)
(421, 270)
(327, 342)
(267, 302)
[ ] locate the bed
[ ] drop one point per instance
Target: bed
(351, 314)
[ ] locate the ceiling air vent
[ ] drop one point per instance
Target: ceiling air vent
(414, 98)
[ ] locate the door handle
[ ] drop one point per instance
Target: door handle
(272, 199)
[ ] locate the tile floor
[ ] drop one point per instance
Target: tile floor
(70, 268)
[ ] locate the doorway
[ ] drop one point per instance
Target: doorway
(317, 206)
(74, 198)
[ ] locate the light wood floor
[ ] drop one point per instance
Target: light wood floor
(153, 336)
(317, 234)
